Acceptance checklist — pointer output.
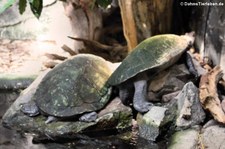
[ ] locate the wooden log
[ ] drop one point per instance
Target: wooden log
(208, 93)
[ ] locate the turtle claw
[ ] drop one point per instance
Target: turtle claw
(51, 119)
(143, 107)
(89, 117)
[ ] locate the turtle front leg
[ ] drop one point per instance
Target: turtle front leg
(139, 100)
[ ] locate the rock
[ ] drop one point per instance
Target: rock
(190, 111)
(168, 97)
(152, 123)
(10, 138)
(168, 81)
(146, 144)
(15, 81)
(7, 97)
(185, 139)
(151, 96)
(213, 136)
(210, 123)
(158, 82)
(114, 116)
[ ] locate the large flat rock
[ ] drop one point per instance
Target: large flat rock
(114, 116)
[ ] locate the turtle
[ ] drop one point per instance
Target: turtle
(75, 88)
(147, 59)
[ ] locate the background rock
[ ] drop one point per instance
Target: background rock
(168, 97)
(190, 111)
(186, 139)
(168, 81)
(213, 136)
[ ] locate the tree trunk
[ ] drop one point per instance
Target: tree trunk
(144, 18)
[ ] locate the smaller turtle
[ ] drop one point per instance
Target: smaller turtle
(76, 87)
(149, 58)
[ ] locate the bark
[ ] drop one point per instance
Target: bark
(129, 27)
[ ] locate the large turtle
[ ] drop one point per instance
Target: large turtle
(149, 58)
(74, 87)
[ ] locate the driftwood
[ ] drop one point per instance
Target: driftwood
(208, 93)
(69, 50)
(96, 26)
(113, 53)
(85, 19)
(50, 64)
(55, 56)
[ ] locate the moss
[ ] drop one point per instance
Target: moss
(127, 136)
(125, 119)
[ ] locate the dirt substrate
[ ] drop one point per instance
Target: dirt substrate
(25, 56)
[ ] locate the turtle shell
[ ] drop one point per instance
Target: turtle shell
(74, 87)
(155, 53)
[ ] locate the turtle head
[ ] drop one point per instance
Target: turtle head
(190, 37)
(29, 109)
